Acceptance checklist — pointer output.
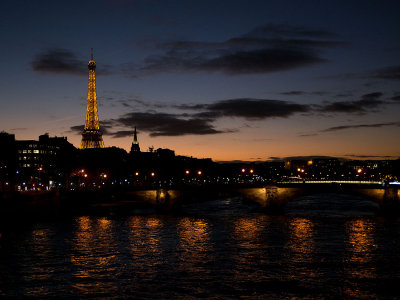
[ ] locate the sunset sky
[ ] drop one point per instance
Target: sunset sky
(229, 80)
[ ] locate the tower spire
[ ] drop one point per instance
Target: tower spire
(91, 135)
(135, 144)
(135, 141)
(91, 53)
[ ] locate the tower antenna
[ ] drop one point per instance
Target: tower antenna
(91, 51)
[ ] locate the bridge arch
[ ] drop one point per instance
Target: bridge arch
(275, 197)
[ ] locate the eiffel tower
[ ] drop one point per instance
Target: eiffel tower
(91, 135)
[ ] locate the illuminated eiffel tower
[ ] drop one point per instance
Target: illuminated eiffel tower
(91, 135)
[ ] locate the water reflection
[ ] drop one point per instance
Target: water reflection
(145, 236)
(301, 241)
(93, 255)
(361, 248)
(247, 235)
(194, 243)
(247, 255)
(247, 231)
(301, 250)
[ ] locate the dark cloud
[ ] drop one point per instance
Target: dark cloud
(266, 49)
(125, 104)
(365, 104)
(163, 124)
(344, 95)
(240, 62)
(396, 98)
(59, 61)
(121, 134)
(257, 108)
(287, 30)
(388, 73)
(249, 108)
(115, 98)
(345, 127)
(77, 128)
(293, 93)
(64, 61)
(274, 158)
(369, 96)
(300, 93)
(391, 73)
(260, 61)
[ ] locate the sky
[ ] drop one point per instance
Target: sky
(227, 80)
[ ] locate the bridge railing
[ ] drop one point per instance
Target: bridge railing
(331, 181)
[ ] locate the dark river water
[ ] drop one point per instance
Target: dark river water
(324, 246)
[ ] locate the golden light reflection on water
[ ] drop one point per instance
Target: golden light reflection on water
(104, 224)
(302, 237)
(145, 235)
(361, 248)
(193, 234)
(83, 223)
(194, 243)
(301, 247)
(93, 254)
(247, 231)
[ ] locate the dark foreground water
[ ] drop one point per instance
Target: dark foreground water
(326, 246)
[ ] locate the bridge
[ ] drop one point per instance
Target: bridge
(273, 197)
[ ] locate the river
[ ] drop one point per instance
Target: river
(322, 246)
